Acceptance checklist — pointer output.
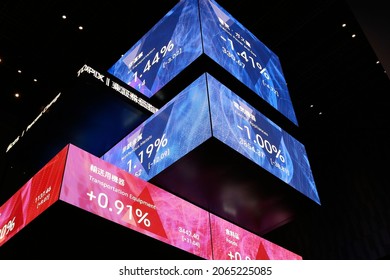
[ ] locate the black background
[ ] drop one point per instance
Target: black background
(323, 66)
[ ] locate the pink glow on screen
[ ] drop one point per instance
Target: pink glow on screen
(230, 242)
(34, 197)
(99, 187)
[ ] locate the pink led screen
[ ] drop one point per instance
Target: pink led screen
(34, 197)
(92, 184)
(231, 242)
(101, 188)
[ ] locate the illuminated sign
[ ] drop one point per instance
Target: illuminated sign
(182, 36)
(40, 192)
(184, 124)
(115, 86)
(105, 190)
(231, 242)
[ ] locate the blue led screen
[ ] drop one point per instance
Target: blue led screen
(168, 48)
(196, 27)
(208, 109)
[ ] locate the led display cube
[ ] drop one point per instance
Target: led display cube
(194, 37)
(211, 147)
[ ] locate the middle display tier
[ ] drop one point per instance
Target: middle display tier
(212, 148)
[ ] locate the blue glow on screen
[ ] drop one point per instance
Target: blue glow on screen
(206, 109)
(240, 126)
(169, 134)
(163, 52)
(177, 39)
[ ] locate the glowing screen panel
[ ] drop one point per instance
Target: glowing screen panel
(231, 242)
(177, 39)
(34, 197)
(237, 50)
(101, 188)
(184, 123)
(243, 128)
(165, 137)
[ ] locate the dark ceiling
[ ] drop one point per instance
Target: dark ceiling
(337, 82)
(323, 64)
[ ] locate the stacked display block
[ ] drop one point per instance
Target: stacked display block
(213, 141)
(91, 184)
(199, 36)
(211, 163)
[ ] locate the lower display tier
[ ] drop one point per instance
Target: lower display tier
(41, 222)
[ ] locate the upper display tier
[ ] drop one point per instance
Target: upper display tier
(195, 28)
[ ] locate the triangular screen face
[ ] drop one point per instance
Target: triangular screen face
(182, 36)
(178, 127)
(162, 53)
